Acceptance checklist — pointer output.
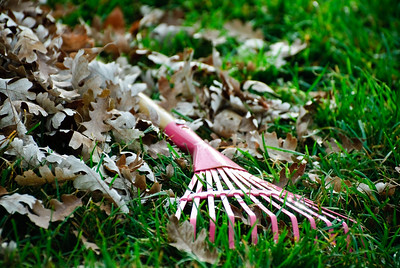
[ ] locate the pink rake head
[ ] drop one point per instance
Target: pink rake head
(225, 180)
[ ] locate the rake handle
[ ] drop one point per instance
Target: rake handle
(181, 135)
(148, 107)
(204, 156)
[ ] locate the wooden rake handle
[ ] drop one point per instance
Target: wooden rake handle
(148, 107)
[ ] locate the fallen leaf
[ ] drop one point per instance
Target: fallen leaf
(88, 178)
(385, 189)
(17, 90)
(29, 178)
(281, 50)
(115, 20)
(17, 203)
(226, 123)
(334, 182)
(350, 144)
(140, 182)
(158, 148)
(76, 39)
(242, 30)
(182, 237)
(292, 174)
(3, 191)
(40, 216)
(86, 243)
(27, 205)
(28, 45)
(96, 127)
(155, 188)
(64, 209)
(332, 146)
(258, 86)
(366, 189)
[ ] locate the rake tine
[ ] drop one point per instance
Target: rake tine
(248, 180)
(184, 199)
(238, 178)
(272, 216)
(301, 207)
(293, 219)
(211, 205)
(252, 216)
(330, 214)
(196, 205)
(227, 207)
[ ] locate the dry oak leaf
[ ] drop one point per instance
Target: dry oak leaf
(295, 171)
(77, 39)
(96, 126)
(242, 30)
(65, 208)
(334, 182)
(23, 204)
(27, 45)
(227, 123)
(88, 146)
(89, 179)
(86, 243)
(17, 90)
(29, 178)
(182, 237)
(159, 148)
(41, 216)
(115, 20)
(3, 191)
(17, 203)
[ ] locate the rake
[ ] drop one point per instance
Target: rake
(217, 178)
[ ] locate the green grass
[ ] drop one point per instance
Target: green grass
(353, 53)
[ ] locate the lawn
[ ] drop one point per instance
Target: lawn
(311, 89)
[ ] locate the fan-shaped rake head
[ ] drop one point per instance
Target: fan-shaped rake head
(228, 184)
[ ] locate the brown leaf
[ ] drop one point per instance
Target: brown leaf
(86, 243)
(155, 188)
(331, 146)
(17, 90)
(3, 191)
(96, 126)
(40, 216)
(29, 178)
(295, 171)
(159, 148)
(115, 20)
(226, 123)
(65, 208)
(17, 203)
(385, 189)
(77, 39)
(182, 237)
(350, 144)
(303, 123)
(27, 45)
(242, 30)
(334, 182)
(140, 182)
(170, 94)
(272, 141)
(88, 147)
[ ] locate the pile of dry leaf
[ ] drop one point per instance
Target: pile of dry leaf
(61, 107)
